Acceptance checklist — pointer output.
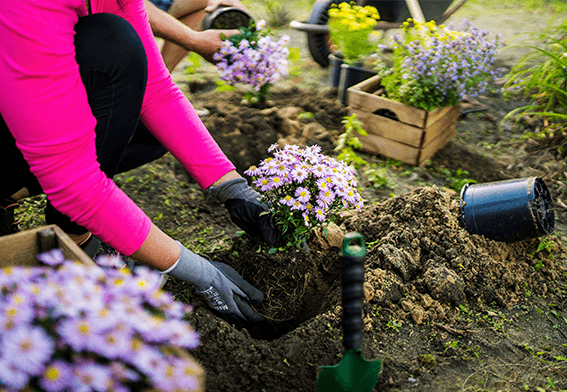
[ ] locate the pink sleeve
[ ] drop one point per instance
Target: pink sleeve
(169, 115)
(44, 103)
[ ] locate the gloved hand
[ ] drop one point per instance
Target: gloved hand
(225, 289)
(245, 209)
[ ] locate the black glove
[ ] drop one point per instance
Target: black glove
(245, 209)
(225, 289)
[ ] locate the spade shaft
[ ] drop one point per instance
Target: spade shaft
(353, 373)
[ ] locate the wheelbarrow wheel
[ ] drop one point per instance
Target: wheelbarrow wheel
(318, 43)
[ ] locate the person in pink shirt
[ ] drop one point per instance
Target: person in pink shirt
(85, 96)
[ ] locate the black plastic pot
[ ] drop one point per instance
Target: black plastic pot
(511, 210)
(226, 18)
(351, 75)
(335, 62)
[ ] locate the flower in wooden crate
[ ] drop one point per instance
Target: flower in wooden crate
(434, 66)
(304, 189)
(350, 27)
(70, 327)
(253, 57)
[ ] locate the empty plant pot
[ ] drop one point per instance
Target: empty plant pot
(511, 210)
(226, 18)
(335, 62)
(351, 75)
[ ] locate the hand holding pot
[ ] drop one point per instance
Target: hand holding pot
(246, 211)
(210, 41)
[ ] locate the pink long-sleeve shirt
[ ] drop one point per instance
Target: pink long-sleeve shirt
(44, 104)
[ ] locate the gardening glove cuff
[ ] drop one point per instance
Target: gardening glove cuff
(245, 209)
(223, 288)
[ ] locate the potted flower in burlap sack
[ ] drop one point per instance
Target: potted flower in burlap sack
(304, 190)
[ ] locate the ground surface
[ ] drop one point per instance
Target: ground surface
(444, 310)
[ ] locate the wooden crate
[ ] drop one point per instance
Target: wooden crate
(416, 134)
(22, 248)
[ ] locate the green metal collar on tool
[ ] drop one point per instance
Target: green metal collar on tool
(350, 250)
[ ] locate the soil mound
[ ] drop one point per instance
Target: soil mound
(421, 259)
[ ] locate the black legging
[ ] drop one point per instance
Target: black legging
(113, 66)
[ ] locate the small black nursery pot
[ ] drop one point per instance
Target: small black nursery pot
(511, 210)
(226, 18)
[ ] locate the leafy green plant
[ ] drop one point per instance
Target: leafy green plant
(376, 176)
(194, 62)
(457, 179)
(541, 76)
(348, 141)
(278, 13)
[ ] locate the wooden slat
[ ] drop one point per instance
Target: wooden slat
(379, 145)
(451, 116)
(436, 144)
(360, 96)
(388, 128)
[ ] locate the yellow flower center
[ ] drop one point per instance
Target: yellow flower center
(52, 373)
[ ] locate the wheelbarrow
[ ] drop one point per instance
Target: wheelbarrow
(392, 14)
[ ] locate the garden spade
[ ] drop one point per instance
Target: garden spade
(353, 373)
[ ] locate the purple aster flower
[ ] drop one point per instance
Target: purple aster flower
(120, 372)
(252, 171)
(297, 205)
(11, 376)
(77, 332)
(320, 214)
(111, 344)
(112, 261)
(30, 346)
(299, 174)
(148, 362)
(57, 376)
(286, 200)
(302, 194)
(166, 377)
(52, 258)
(93, 375)
(182, 334)
(17, 312)
(326, 196)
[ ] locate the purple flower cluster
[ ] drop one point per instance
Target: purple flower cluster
(304, 188)
(256, 59)
(70, 327)
(436, 66)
